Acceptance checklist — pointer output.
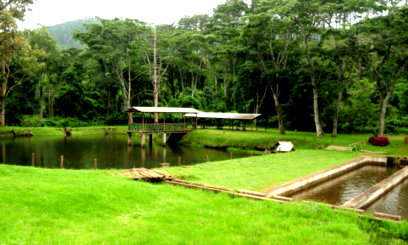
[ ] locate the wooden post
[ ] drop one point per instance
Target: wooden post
(164, 121)
(164, 139)
(130, 118)
(179, 161)
(143, 140)
(129, 138)
(62, 161)
(252, 153)
(208, 159)
(33, 159)
(231, 154)
(143, 121)
(184, 117)
(95, 164)
(196, 121)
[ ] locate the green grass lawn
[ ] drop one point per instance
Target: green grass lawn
(302, 140)
(43, 206)
(261, 172)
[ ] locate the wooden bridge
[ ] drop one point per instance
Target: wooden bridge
(157, 127)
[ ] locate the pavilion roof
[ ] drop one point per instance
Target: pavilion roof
(163, 110)
(222, 115)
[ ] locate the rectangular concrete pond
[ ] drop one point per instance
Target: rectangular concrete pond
(376, 184)
(343, 188)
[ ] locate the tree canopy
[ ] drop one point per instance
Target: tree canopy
(323, 66)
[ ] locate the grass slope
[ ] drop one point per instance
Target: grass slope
(261, 172)
(43, 206)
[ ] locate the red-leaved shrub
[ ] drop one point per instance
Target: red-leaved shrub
(379, 141)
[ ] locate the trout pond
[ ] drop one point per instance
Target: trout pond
(111, 151)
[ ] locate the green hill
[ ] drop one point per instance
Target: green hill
(63, 32)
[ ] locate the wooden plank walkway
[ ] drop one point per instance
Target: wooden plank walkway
(151, 175)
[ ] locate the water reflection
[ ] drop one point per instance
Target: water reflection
(111, 151)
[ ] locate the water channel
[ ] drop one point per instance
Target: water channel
(341, 189)
(111, 151)
(395, 202)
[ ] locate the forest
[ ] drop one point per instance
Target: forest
(327, 66)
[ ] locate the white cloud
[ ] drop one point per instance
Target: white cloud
(52, 12)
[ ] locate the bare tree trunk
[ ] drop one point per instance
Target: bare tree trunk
(336, 113)
(3, 111)
(383, 111)
(129, 105)
(155, 78)
(318, 125)
(279, 113)
(3, 95)
(181, 78)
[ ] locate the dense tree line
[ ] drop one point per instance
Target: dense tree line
(318, 65)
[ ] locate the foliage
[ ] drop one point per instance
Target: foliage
(379, 141)
(58, 122)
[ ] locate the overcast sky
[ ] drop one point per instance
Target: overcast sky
(52, 12)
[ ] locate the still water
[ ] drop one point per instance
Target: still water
(341, 189)
(395, 202)
(111, 151)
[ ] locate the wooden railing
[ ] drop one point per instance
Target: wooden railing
(160, 127)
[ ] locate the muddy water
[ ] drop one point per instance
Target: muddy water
(395, 202)
(341, 189)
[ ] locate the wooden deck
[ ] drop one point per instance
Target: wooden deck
(143, 174)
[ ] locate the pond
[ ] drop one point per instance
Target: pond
(341, 189)
(111, 151)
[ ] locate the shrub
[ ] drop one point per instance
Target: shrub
(379, 141)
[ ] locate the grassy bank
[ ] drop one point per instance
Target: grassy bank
(50, 131)
(261, 172)
(42, 206)
(302, 140)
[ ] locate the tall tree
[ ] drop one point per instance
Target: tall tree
(48, 52)
(115, 43)
(10, 43)
(272, 36)
(225, 25)
(383, 44)
(157, 55)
